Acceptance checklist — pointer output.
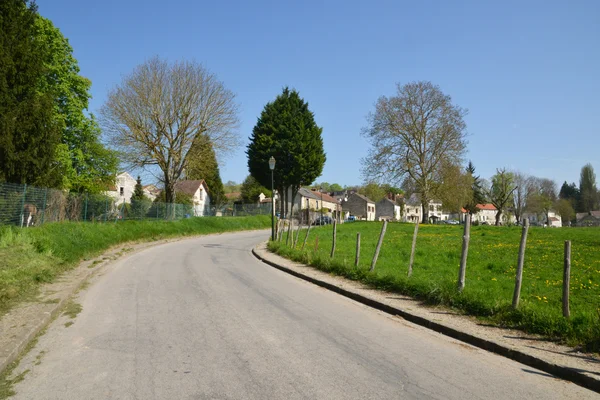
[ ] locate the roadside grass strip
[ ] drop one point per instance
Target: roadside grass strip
(490, 272)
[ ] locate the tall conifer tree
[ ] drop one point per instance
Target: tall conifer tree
(202, 164)
(286, 130)
(29, 133)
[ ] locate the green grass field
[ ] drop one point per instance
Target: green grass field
(490, 276)
(32, 256)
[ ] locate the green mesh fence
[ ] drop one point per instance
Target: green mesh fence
(23, 205)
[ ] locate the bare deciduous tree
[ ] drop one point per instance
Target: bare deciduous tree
(542, 196)
(412, 135)
(158, 110)
(522, 184)
(501, 191)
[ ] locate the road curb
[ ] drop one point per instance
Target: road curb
(559, 371)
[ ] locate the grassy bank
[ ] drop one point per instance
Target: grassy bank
(490, 272)
(32, 256)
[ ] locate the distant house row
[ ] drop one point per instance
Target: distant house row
(394, 207)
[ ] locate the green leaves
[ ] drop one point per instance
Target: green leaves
(29, 133)
(45, 136)
(286, 130)
(90, 166)
(202, 164)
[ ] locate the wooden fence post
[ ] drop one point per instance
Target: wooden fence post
(306, 237)
(376, 255)
(316, 243)
(280, 238)
(287, 238)
(567, 279)
(465, 252)
(334, 237)
(357, 249)
(519, 277)
(412, 250)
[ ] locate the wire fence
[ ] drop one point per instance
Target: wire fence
(24, 206)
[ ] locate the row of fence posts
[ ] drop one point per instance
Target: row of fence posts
(463, 259)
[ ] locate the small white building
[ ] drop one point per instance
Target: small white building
(198, 190)
(539, 219)
(486, 214)
(123, 189)
(414, 210)
(151, 192)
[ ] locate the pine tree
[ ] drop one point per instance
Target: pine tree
(570, 192)
(287, 131)
(29, 133)
(478, 194)
(140, 204)
(202, 164)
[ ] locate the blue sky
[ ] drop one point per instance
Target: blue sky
(527, 71)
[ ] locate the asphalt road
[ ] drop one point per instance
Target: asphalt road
(203, 319)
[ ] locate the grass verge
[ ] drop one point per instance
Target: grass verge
(33, 256)
(490, 272)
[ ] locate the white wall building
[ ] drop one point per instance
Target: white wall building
(199, 192)
(123, 188)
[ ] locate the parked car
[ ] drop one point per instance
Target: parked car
(324, 220)
(452, 222)
(351, 218)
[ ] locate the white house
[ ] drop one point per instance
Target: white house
(540, 219)
(414, 210)
(199, 192)
(151, 192)
(123, 188)
(485, 215)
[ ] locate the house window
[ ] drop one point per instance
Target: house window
(201, 195)
(317, 204)
(431, 207)
(121, 191)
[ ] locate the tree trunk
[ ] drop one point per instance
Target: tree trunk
(425, 208)
(169, 190)
(498, 215)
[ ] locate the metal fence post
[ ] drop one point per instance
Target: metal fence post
(105, 209)
(44, 205)
(23, 204)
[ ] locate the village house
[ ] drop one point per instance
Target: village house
(311, 202)
(360, 206)
(151, 192)
(591, 218)
(414, 210)
(539, 219)
(486, 214)
(389, 208)
(198, 190)
(123, 188)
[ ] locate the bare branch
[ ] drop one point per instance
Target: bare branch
(158, 110)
